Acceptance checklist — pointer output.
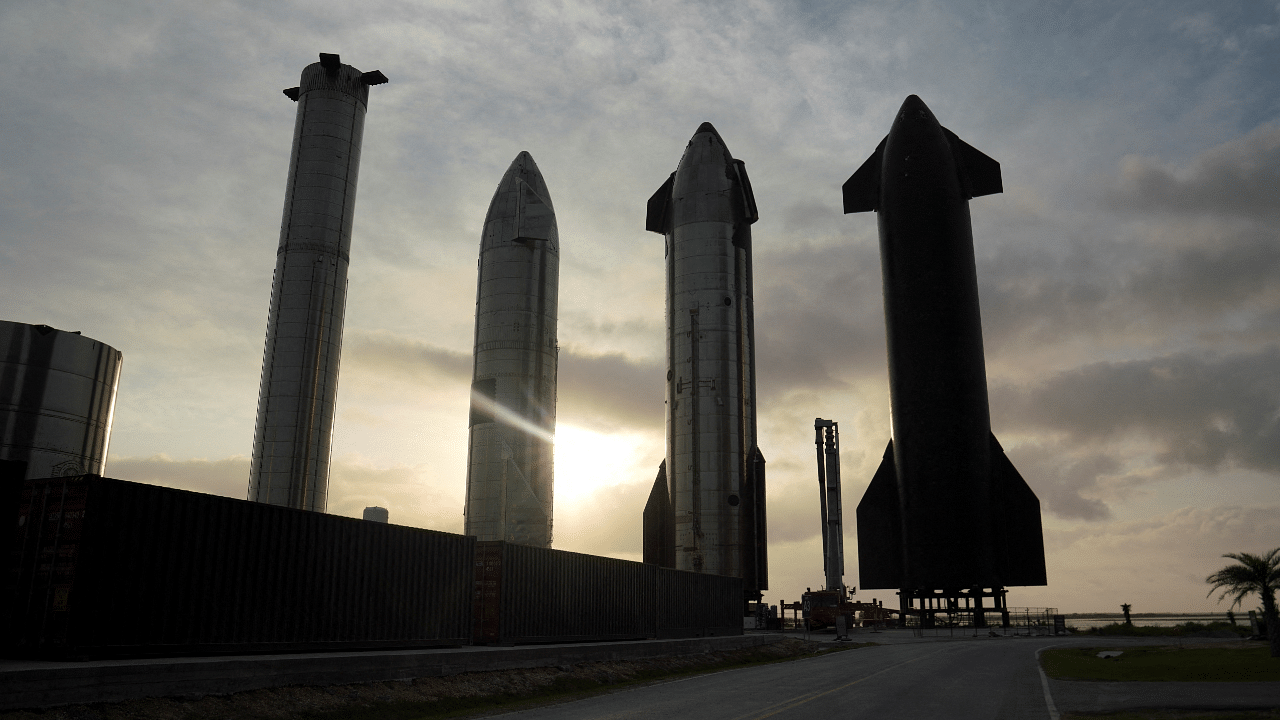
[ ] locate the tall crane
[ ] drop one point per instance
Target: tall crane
(827, 439)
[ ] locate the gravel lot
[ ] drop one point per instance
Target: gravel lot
(415, 698)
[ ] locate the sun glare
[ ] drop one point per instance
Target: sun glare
(586, 461)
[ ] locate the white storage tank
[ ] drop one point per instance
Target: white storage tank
(57, 398)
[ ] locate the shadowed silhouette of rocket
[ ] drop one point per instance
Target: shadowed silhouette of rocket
(946, 509)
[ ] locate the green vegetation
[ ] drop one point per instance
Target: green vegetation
(1162, 663)
(1252, 574)
(1187, 629)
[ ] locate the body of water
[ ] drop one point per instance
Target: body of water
(1153, 619)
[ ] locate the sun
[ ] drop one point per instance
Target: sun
(586, 461)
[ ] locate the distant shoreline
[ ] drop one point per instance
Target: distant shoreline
(1223, 615)
(1153, 619)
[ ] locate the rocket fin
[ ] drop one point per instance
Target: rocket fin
(658, 216)
(1017, 530)
(979, 174)
(535, 220)
(659, 524)
(749, 211)
(880, 529)
(862, 189)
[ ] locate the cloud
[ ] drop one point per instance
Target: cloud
(793, 511)
(1066, 484)
(1154, 563)
(228, 477)
(606, 522)
(1178, 256)
(819, 322)
(382, 352)
(354, 484)
(606, 391)
(1201, 412)
(1236, 179)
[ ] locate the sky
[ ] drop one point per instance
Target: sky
(1129, 274)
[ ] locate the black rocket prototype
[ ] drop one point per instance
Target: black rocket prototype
(946, 510)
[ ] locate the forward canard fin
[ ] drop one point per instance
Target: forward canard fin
(862, 189)
(979, 174)
(658, 216)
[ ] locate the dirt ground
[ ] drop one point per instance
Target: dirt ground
(414, 698)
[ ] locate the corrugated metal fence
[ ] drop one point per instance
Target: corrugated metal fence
(527, 595)
(108, 567)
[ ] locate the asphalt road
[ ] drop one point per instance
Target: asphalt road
(958, 678)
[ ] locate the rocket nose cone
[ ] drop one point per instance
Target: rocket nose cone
(525, 168)
(524, 161)
(913, 107)
(705, 147)
(707, 128)
(522, 170)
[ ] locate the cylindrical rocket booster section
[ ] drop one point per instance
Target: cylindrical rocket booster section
(711, 419)
(513, 391)
(296, 401)
(937, 373)
(57, 399)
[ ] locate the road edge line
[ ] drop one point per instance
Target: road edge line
(1044, 682)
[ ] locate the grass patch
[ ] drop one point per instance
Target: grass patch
(1163, 663)
(1187, 629)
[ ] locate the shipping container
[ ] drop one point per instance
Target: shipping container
(108, 567)
(528, 594)
(697, 605)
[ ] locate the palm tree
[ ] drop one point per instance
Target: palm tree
(1252, 574)
(1125, 609)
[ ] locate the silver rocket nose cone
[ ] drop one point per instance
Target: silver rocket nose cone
(523, 167)
(707, 128)
(521, 208)
(523, 160)
(524, 170)
(705, 147)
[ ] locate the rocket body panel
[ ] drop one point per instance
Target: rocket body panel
(938, 386)
(296, 401)
(919, 181)
(513, 399)
(57, 400)
(705, 210)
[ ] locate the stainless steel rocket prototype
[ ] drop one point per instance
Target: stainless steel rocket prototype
(57, 400)
(946, 510)
(291, 442)
(513, 390)
(714, 471)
